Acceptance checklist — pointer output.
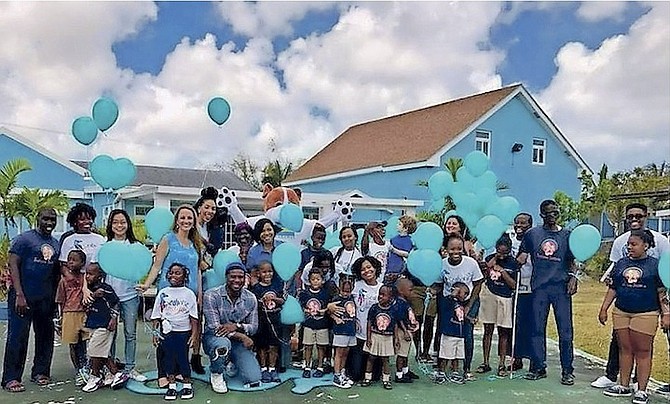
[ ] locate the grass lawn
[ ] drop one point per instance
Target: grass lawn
(594, 338)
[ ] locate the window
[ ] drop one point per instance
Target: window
(142, 210)
(539, 150)
(310, 212)
(482, 141)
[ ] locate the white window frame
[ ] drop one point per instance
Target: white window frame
(539, 154)
(483, 143)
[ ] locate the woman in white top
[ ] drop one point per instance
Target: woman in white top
(346, 254)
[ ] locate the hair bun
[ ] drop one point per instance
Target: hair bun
(209, 193)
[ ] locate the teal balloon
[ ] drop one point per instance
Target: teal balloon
(130, 262)
(158, 222)
(425, 265)
(218, 110)
(428, 236)
(439, 184)
(210, 279)
(105, 113)
(476, 163)
(465, 178)
(359, 233)
(112, 174)
(488, 180)
(470, 218)
(291, 217)
(286, 260)
(221, 261)
(466, 201)
(124, 173)
(488, 230)
(436, 205)
(584, 241)
(84, 130)
(485, 197)
(332, 239)
(506, 208)
(291, 312)
(664, 268)
(392, 227)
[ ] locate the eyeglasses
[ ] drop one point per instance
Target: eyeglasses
(636, 216)
(555, 213)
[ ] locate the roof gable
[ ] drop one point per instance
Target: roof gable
(401, 139)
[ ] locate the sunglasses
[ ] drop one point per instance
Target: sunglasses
(636, 216)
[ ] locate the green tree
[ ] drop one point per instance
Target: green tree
(9, 177)
(245, 168)
(276, 171)
(29, 202)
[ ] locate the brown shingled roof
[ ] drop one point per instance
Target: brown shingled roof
(400, 139)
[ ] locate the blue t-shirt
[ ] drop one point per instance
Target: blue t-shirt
(257, 254)
(402, 311)
(550, 254)
(187, 256)
(453, 315)
(348, 327)
(636, 282)
(261, 291)
(382, 320)
(497, 286)
(39, 270)
(312, 302)
(395, 264)
(99, 313)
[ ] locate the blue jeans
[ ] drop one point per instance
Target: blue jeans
(245, 360)
(128, 310)
(557, 296)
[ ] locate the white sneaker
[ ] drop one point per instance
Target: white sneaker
(119, 380)
(108, 379)
(218, 383)
(602, 383)
(93, 383)
(137, 376)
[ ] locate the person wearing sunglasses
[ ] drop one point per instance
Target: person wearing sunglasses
(635, 219)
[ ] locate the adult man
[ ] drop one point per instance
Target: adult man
(636, 218)
(33, 264)
(231, 317)
(553, 283)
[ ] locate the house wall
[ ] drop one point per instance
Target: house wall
(528, 183)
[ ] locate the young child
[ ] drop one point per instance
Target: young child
(452, 340)
(69, 297)
(408, 325)
(175, 320)
(497, 303)
(313, 301)
(344, 330)
(399, 249)
(266, 339)
(101, 320)
(382, 333)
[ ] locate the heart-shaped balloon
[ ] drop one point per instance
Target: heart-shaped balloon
(129, 261)
(112, 173)
(286, 260)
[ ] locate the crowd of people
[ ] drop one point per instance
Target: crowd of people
(363, 309)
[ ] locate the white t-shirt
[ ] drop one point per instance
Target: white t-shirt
(620, 249)
(88, 243)
(345, 261)
(466, 272)
(365, 296)
(526, 270)
(381, 253)
(175, 306)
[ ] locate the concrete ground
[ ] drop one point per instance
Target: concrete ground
(485, 389)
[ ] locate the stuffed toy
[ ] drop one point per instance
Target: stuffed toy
(274, 198)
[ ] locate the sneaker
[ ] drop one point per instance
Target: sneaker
(618, 391)
(387, 386)
(93, 383)
(265, 376)
(252, 385)
(365, 383)
(137, 376)
(341, 381)
(80, 378)
(439, 377)
(404, 379)
(170, 395)
(218, 383)
(567, 379)
(640, 397)
(186, 394)
(469, 377)
(536, 375)
(317, 374)
(306, 374)
(665, 390)
(456, 378)
(413, 375)
(274, 377)
(107, 379)
(119, 380)
(602, 382)
(327, 367)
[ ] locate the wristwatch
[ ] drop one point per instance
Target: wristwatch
(239, 327)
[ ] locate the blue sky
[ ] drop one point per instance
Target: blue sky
(297, 74)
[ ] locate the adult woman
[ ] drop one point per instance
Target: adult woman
(346, 254)
(366, 271)
(242, 236)
(205, 208)
(182, 245)
(264, 234)
(119, 229)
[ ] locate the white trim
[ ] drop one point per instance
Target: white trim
(45, 152)
(70, 194)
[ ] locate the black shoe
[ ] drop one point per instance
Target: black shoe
(196, 364)
(186, 394)
(306, 374)
(568, 379)
(404, 379)
(412, 375)
(536, 375)
(170, 395)
(281, 369)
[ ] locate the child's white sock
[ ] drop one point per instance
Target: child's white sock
(386, 377)
(188, 386)
(271, 369)
(405, 370)
(264, 369)
(320, 369)
(368, 376)
(172, 386)
(398, 374)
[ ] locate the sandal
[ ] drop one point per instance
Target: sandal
(502, 371)
(40, 380)
(14, 386)
(483, 368)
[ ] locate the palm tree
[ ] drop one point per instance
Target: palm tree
(275, 172)
(29, 202)
(9, 177)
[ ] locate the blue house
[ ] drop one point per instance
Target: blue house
(387, 157)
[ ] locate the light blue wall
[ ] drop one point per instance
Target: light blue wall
(528, 183)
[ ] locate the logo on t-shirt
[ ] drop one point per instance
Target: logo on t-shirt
(383, 321)
(549, 247)
(47, 252)
(268, 300)
(350, 309)
(313, 306)
(459, 313)
(632, 275)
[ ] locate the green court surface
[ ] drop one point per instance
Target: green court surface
(485, 389)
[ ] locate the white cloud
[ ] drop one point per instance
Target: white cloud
(595, 11)
(614, 102)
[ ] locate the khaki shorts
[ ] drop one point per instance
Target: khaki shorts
(417, 302)
(495, 309)
(644, 323)
(100, 343)
(451, 347)
(344, 341)
(404, 346)
(380, 345)
(73, 327)
(318, 337)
